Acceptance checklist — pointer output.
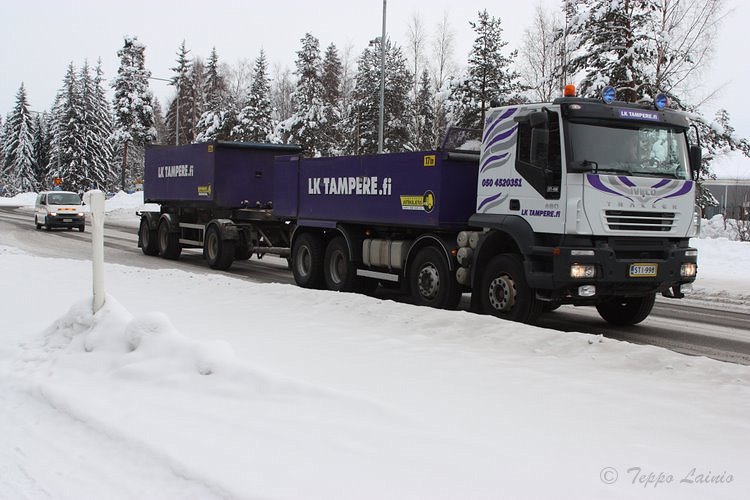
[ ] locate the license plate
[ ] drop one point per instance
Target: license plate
(643, 270)
(67, 220)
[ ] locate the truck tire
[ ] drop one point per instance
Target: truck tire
(218, 252)
(339, 272)
(626, 311)
(505, 292)
(431, 282)
(149, 240)
(307, 261)
(168, 242)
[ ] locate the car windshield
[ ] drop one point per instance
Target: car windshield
(639, 150)
(63, 199)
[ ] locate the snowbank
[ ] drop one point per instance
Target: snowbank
(269, 390)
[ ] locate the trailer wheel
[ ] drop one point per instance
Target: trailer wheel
(338, 270)
(431, 282)
(149, 240)
(307, 261)
(218, 252)
(168, 242)
(505, 293)
(626, 310)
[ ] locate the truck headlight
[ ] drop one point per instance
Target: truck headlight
(580, 271)
(688, 270)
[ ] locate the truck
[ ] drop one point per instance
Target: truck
(580, 201)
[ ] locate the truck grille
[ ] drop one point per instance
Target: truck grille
(622, 220)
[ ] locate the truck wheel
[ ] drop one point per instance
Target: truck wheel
(626, 310)
(338, 270)
(169, 244)
(431, 282)
(505, 293)
(307, 261)
(242, 252)
(149, 241)
(218, 252)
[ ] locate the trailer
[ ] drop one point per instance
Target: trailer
(215, 196)
(580, 201)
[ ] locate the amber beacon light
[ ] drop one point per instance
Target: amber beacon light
(569, 90)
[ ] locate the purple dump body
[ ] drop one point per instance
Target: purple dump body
(424, 189)
(216, 174)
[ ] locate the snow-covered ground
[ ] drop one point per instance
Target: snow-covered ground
(200, 385)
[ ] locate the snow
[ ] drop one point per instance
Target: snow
(202, 385)
(731, 165)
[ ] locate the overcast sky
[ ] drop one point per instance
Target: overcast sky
(38, 38)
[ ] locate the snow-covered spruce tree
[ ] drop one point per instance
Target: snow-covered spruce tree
(254, 121)
(489, 75)
(364, 114)
(219, 116)
(611, 45)
(424, 137)
(304, 127)
(333, 107)
(18, 163)
(133, 108)
(42, 147)
(182, 108)
(67, 132)
(160, 125)
(96, 131)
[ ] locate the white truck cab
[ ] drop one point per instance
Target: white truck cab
(59, 209)
(589, 202)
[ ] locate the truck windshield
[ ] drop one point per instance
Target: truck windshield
(640, 150)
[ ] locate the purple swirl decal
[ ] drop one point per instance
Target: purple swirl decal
(504, 135)
(687, 186)
(597, 184)
(488, 200)
(491, 159)
(661, 183)
(505, 115)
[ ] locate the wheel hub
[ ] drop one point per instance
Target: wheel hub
(428, 281)
(502, 293)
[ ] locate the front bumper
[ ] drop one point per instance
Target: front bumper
(64, 220)
(613, 269)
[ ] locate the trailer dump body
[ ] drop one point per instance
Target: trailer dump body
(217, 174)
(428, 189)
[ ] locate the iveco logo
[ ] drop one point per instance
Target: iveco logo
(642, 191)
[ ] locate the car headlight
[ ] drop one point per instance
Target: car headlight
(53, 214)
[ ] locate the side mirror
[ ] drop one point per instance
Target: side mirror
(696, 157)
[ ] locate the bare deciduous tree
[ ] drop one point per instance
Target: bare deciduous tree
(541, 56)
(684, 32)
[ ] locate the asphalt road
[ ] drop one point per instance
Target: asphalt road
(689, 328)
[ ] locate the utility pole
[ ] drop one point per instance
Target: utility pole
(382, 84)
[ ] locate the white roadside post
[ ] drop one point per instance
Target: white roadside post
(95, 201)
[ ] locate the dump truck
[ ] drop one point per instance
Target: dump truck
(589, 202)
